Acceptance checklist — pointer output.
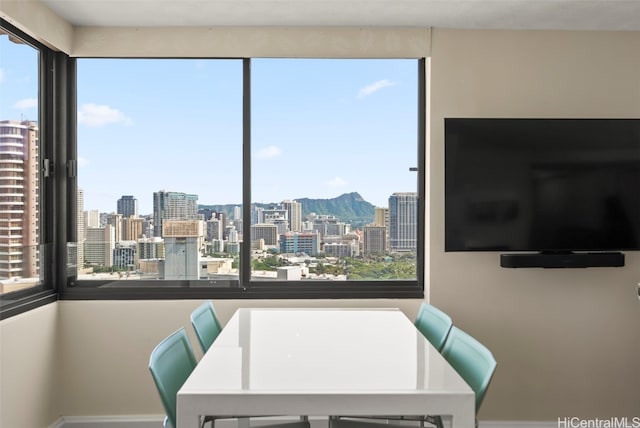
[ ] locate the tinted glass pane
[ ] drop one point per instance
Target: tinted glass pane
(333, 141)
(20, 189)
(160, 170)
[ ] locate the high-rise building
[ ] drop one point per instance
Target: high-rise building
(403, 221)
(375, 240)
(256, 215)
(99, 245)
(115, 220)
(294, 215)
(132, 228)
(239, 226)
(81, 229)
(19, 209)
(237, 213)
(233, 243)
(181, 245)
(127, 206)
(151, 248)
(278, 216)
(328, 225)
(173, 206)
(381, 216)
(267, 232)
(124, 255)
(341, 249)
(295, 242)
(92, 218)
(213, 230)
(217, 220)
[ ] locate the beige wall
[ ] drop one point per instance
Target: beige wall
(238, 42)
(29, 383)
(39, 22)
(106, 373)
(566, 340)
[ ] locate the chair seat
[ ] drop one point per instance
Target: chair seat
(471, 359)
(434, 324)
(171, 362)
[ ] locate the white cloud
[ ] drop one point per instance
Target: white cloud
(269, 152)
(95, 115)
(374, 87)
(337, 182)
(26, 103)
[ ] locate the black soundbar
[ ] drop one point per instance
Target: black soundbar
(562, 260)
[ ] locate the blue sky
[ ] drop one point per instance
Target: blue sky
(320, 128)
(18, 81)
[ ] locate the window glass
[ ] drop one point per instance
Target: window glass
(159, 171)
(20, 182)
(325, 163)
(334, 191)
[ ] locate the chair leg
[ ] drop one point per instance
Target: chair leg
(434, 420)
(208, 419)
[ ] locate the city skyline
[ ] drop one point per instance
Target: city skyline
(320, 128)
(238, 205)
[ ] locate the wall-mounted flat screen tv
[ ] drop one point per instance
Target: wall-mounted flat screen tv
(543, 185)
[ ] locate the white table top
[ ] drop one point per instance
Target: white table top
(323, 362)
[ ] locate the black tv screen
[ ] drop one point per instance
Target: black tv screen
(544, 185)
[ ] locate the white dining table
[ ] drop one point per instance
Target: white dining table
(323, 362)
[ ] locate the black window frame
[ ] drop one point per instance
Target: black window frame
(51, 121)
(74, 289)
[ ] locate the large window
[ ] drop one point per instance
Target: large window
(332, 193)
(23, 253)
(256, 178)
(159, 171)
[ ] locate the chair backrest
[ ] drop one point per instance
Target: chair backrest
(433, 324)
(171, 363)
(472, 360)
(206, 324)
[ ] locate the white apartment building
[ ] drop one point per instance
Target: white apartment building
(19, 217)
(98, 245)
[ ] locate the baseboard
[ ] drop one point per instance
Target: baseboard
(155, 421)
(135, 421)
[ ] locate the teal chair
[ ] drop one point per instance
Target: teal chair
(434, 324)
(470, 358)
(171, 363)
(206, 324)
(207, 327)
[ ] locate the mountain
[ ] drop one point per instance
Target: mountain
(348, 207)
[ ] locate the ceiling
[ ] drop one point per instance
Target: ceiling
(471, 14)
